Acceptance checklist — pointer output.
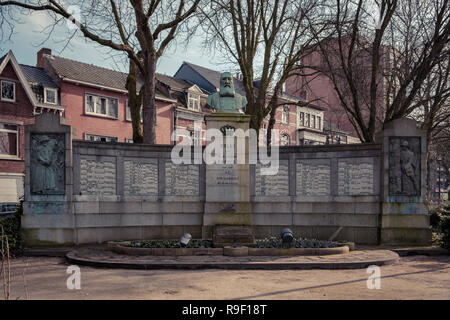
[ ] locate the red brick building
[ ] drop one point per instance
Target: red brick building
(94, 101)
(319, 87)
(24, 92)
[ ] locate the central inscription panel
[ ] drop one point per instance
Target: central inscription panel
(182, 179)
(313, 177)
(274, 185)
(98, 177)
(355, 176)
(226, 175)
(140, 177)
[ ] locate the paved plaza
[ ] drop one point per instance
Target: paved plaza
(416, 277)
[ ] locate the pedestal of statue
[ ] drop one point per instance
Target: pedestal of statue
(227, 215)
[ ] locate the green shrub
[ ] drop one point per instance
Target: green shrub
(445, 232)
(437, 213)
(11, 227)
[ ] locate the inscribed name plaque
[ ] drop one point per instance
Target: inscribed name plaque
(272, 185)
(226, 174)
(182, 179)
(97, 177)
(404, 166)
(313, 177)
(355, 176)
(47, 164)
(140, 178)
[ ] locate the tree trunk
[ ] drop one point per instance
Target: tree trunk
(149, 107)
(270, 125)
(135, 102)
(428, 167)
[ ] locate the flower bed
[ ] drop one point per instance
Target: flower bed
(194, 243)
(274, 242)
(264, 247)
(153, 248)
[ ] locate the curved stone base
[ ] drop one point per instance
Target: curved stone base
(353, 260)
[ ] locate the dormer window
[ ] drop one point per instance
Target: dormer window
(8, 89)
(50, 96)
(193, 101)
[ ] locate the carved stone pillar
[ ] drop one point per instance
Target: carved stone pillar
(47, 212)
(404, 215)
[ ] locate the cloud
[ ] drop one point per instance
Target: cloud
(38, 19)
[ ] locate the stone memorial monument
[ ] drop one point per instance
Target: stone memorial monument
(404, 216)
(227, 218)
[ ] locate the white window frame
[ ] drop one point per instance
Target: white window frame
(1, 91)
(97, 96)
(312, 121)
(301, 118)
(11, 156)
(45, 95)
(195, 101)
(319, 122)
(86, 135)
(196, 137)
(285, 115)
(288, 139)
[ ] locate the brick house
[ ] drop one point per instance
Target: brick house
(318, 87)
(25, 91)
(94, 101)
(297, 124)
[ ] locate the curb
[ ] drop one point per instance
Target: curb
(119, 248)
(435, 251)
(50, 252)
(148, 265)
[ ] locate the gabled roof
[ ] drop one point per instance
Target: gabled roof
(37, 75)
(9, 58)
(213, 77)
(89, 73)
(174, 83)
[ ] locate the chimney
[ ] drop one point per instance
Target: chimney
(40, 56)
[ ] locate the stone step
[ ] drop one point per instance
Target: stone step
(229, 235)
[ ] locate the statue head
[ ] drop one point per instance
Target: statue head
(404, 145)
(226, 85)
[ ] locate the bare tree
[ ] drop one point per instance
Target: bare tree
(5, 265)
(128, 26)
(266, 40)
(378, 66)
(432, 110)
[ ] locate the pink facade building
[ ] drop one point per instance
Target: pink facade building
(94, 101)
(319, 88)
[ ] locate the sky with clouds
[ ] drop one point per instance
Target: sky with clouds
(29, 37)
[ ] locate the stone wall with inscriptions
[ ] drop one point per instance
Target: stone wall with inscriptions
(355, 176)
(272, 185)
(97, 177)
(140, 177)
(313, 177)
(182, 179)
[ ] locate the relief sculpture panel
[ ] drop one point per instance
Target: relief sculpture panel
(47, 164)
(404, 166)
